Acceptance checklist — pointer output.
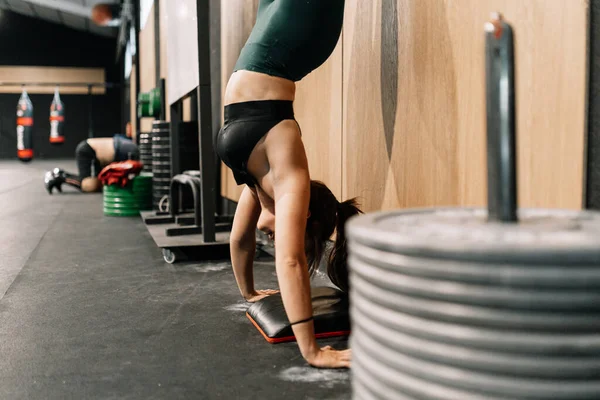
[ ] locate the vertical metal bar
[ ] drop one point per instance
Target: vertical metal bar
(90, 112)
(136, 19)
(207, 156)
(176, 117)
(215, 79)
(501, 138)
(163, 100)
(122, 95)
(157, 41)
(194, 106)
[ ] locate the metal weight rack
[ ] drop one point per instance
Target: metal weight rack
(201, 233)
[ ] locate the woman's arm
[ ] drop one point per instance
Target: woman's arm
(243, 241)
(291, 186)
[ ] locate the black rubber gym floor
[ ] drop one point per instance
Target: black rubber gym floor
(89, 309)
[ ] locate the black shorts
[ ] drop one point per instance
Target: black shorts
(245, 125)
(125, 149)
(87, 163)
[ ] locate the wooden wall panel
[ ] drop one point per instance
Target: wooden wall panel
(237, 20)
(414, 101)
(318, 110)
(25, 74)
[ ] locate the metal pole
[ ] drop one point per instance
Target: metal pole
(215, 78)
(157, 41)
(136, 19)
(207, 156)
(176, 117)
(501, 158)
(163, 100)
(90, 113)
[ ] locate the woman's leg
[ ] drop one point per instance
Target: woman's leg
(88, 166)
(99, 153)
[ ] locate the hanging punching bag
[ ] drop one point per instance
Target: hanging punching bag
(57, 119)
(25, 128)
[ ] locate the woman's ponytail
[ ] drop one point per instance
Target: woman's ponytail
(337, 268)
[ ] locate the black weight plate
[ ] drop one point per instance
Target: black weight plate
(542, 276)
(163, 186)
(554, 236)
(162, 169)
(549, 367)
(156, 124)
(386, 364)
(160, 134)
(161, 148)
(537, 343)
(162, 176)
(501, 295)
(468, 315)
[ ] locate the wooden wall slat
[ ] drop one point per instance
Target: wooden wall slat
(423, 144)
(318, 110)
(237, 20)
(9, 74)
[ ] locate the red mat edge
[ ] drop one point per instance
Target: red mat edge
(293, 338)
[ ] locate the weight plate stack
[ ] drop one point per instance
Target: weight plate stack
(145, 142)
(161, 161)
(446, 304)
(128, 201)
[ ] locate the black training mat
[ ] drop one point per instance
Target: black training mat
(330, 311)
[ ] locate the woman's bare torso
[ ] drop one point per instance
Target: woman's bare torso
(253, 86)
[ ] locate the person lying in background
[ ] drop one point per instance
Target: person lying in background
(91, 156)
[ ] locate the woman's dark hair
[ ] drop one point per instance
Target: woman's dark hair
(326, 216)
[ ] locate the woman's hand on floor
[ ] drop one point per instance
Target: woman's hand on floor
(260, 294)
(328, 357)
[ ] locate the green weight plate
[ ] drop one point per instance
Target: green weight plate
(131, 188)
(139, 207)
(123, 200)
(155, 103)
(123, 207)
(121, 213)
(137, 190)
